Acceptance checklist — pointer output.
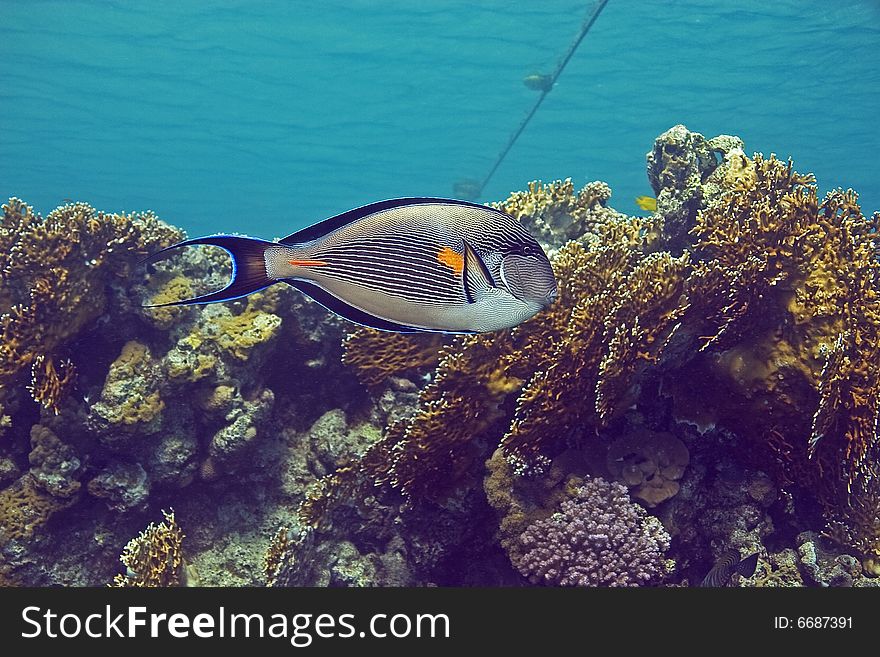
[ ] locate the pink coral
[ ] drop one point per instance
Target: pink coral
(599, 538)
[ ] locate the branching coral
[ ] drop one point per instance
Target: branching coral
(774, 304)
(378, 355)
(598, 538)
(555, 213)
(53, 277)
(154, 558)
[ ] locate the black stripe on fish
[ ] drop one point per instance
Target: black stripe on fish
(728, 564)
(396, 287)
(381, 263)
(322, 228)
(349, 312)
(475, 275)
(748, 566)
(419, 277)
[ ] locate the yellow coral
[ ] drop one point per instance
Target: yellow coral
(154, 558)
(120, 404)
(50, 384)
(775, 307)
(377, 355)
(25, 507)
(53, 278)
(791, 291)
(176, 289)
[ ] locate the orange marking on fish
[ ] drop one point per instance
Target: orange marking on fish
(453, 260)
(307, 263)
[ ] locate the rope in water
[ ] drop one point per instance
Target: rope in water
(585, 27)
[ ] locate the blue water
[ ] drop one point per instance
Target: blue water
(265, 116)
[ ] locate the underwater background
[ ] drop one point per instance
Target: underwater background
(698, 406)
(265, 117)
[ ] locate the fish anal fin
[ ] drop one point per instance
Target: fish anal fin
(346, 310)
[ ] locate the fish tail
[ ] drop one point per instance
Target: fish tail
(249, 271)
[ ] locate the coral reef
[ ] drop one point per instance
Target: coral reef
(649, 463)
(134, 403)
(378, 355)
(25, 508)
(154, 558)
(554, 213)
(598, 538)
(54, 465)
(679, 167)
(717, 359)
(763, 303)
(52, 276)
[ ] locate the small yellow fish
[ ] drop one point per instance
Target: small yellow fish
(648, 203)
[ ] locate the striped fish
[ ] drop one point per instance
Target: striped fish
(407, 265)
(729, 564)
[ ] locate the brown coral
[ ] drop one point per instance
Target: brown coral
(649, 463)
(775, 306)
(25, 508)
(53, 275)
(154, 558)
(378, 355)
(277, 555)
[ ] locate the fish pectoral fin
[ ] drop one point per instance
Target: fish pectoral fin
(748, 566)
(475, 275)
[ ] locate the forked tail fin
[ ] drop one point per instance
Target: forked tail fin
(248, 267)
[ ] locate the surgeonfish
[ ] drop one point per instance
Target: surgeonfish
(407, 265)
(727, 565)
(648, 203)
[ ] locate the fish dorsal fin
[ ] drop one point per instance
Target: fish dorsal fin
(318, 230)
(475, 275)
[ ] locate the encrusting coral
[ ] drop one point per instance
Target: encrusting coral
(154, 558)
(25, 508)
(650, 464)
